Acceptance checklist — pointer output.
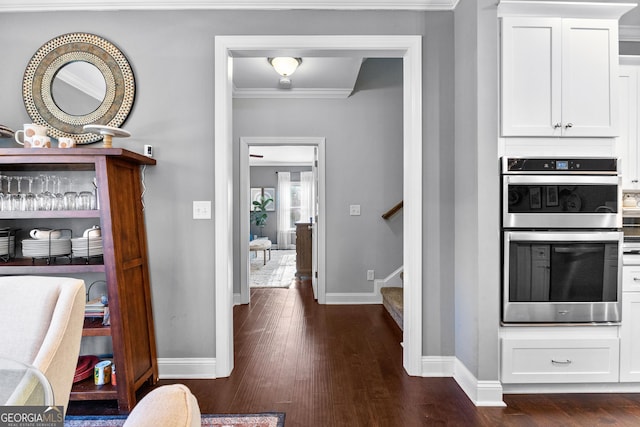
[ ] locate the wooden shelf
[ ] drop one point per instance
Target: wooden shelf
(87, 390)
(93, 327)
(124, 263)
(50, 214)
(40, 266)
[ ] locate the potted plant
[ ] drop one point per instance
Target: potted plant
(260, 211)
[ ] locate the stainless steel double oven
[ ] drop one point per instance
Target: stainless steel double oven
(562, 240)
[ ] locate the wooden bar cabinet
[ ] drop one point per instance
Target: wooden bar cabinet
(124, 262)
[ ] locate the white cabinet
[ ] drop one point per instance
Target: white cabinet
(547, 355)
(630, 325)
(630, 338)
(628, 139)
(558, 77)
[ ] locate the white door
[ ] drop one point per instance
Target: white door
(314, 224)
(589, 77)
(531, 74)
(627, 141)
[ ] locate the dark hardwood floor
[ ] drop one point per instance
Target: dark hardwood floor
(328, 365)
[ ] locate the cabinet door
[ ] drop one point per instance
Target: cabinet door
(589, 83)
(630, 338)
(628, 113)
(531, 76)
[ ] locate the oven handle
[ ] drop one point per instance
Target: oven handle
(565, 236)
(562, 179)
(568, 250)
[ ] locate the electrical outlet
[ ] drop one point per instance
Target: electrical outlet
(354, 210)
(202, 209)
(370, 275)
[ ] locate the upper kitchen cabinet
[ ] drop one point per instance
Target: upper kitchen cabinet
(559, 68)
(627, 142)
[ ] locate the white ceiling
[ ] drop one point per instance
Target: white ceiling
(316, 77)
(279, 155)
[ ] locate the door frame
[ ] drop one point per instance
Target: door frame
(245, 143)
(409, 48)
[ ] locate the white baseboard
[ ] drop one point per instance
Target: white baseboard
(481, 393)
(571, 388)
(237, 299)
(353, 298)
(438, 366)
(187, 368)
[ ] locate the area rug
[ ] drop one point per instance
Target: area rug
(265, 419)
(278, 272)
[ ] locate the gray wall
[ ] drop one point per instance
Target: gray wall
(363, 166)
(477, 234)
(172, 55)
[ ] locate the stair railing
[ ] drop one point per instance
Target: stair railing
(391, 212)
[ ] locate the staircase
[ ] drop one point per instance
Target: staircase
(392, 295)
(392, 288)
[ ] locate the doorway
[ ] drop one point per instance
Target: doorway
(409, 48)
(318, 281)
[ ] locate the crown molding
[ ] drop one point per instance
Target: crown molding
(292, 93)
(102, 5)
(629, 33)
(563, 9)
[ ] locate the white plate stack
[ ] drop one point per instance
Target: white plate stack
(6, 244)
(44, 248)
(86, 246)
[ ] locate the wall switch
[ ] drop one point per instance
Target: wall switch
(202, 209)
(354, 210)
(370, 275)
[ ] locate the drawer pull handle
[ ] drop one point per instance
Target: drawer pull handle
(636, 279)
(561, 362)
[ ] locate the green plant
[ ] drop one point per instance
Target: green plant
(260, 210)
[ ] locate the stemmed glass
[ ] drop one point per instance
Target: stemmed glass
(2, 194)
(15, 200)
(6, 201)
(30, 200)
(44, 197)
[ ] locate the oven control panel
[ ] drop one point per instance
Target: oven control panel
(558, 165)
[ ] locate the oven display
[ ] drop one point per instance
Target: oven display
(562, 165)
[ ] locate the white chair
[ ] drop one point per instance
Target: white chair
(41, 322)
(169, 405)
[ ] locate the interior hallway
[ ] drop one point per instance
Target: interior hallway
(337, 365)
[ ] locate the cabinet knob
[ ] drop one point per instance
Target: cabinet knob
(557, 125)
(568, 125)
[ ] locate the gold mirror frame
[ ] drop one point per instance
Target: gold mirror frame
(60, 51)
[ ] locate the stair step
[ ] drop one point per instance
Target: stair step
(392, 300)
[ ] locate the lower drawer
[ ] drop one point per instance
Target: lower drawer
(560, 361)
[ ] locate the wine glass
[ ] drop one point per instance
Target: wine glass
(2, 193)
(30, 200)
(44, 196)
(15, 200)
(58, 196)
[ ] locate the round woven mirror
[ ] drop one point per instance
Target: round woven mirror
(78, 79)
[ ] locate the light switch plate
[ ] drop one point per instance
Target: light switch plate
(354, 210)
(202, 209)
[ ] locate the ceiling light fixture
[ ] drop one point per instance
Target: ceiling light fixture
(285, 65)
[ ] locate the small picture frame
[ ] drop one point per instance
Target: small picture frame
(535, 199)
(552, 195)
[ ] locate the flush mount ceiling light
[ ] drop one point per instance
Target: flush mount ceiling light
(285, 65)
